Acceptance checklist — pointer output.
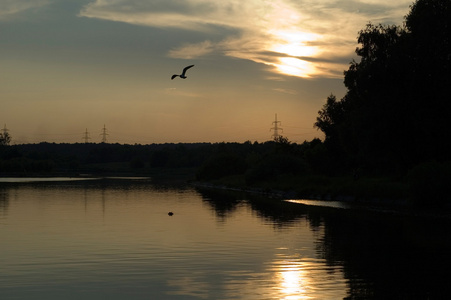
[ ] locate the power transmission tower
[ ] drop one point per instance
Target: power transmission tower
(104, 134)
(5, 130)
(276, 129)
(5, 138)
(86, 136)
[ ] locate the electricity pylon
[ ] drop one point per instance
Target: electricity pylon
(276, 129)
(6, 138)
(5, 130)
(86, 136)
(104, 134)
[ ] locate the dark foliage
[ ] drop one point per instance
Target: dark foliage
(397, 108)
(274, 165)
(88, 157)
(221, 165)
(430, 184)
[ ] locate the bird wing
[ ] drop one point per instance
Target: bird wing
(173, 76)
(186, 68)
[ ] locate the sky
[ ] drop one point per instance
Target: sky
(71, 67)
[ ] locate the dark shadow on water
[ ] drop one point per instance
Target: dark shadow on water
(384, 256)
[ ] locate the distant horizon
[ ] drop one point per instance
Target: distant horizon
(153, 143)
(110, 135)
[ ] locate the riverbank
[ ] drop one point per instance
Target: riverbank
(398, 207)
(374, 190)
(382, 191)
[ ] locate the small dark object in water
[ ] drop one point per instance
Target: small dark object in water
(170, 213)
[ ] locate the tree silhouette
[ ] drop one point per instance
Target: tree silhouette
(396, 111)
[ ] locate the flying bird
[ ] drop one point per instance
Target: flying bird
(183, 73)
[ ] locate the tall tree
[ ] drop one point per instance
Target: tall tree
(397, 107)
(429, 27)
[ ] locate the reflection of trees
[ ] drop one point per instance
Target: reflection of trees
(388, 256)
(277, 212)
(382, 255)
(223, 203)
(4, 201)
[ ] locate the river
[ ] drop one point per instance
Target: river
(115, 239)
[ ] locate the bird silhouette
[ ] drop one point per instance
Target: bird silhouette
(183, 73)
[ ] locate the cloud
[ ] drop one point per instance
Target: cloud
(304, 38)
(286, 91)
(9, 8)
(190, 51)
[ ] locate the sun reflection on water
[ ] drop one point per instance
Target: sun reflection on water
(298, 278)
(292, 284)
(292, 279)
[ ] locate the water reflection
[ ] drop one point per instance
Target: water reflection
(299, 278)
(221, 202)
(373, 255)
(292, 278)
(4, 201)
(296, 271)
(115, 240)
(225, 203)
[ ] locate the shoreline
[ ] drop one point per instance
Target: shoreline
(386, 206)
(380, 204)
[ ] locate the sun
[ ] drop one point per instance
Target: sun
(294, 46)
(295, 67)
(294, 42)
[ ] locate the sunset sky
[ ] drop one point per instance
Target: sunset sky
(71, 66)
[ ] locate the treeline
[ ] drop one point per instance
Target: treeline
(90, 157)
(209, 160)
(308, 168)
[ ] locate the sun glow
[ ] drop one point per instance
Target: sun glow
(295, 67)
(293, 44)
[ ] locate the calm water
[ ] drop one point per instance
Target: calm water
(113, 239)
